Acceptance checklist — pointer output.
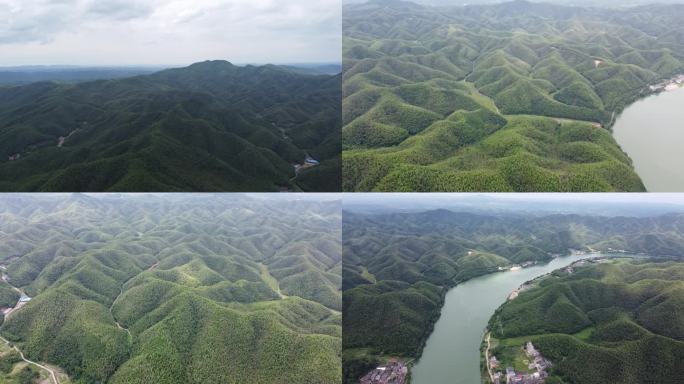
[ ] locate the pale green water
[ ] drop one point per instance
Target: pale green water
(452, 352)
(651, 132)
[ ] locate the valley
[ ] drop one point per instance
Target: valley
(172, 288)
(516, 96)
(451, 353)
(419, 287)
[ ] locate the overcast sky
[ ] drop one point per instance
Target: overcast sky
(152, 32)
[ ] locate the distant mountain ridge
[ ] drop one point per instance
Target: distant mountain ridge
(212, 126)
(21, 75)
(26, 74)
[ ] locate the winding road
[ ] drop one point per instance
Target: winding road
(489, 366)
(52, 372)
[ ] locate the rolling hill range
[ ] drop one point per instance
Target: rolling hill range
(398, 266)
(515, 96)
(22, 75)
(212, 126)
(175, 288)
(618, 322)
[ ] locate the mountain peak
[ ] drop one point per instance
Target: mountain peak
(212, 64)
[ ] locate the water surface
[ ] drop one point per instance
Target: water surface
(651, 132)
(452, 352)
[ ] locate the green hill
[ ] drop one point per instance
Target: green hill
(427, 90)
(176, 288)
(618, 321)
(211, 126)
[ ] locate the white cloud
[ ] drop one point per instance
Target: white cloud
(118, 9)
(168, 31)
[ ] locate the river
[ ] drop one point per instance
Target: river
(651, 132)
(452, 352)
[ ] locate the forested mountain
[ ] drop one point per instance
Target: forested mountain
(212, 126)
(398, 266)
(176, 288)
(614, 322)
(506, 97)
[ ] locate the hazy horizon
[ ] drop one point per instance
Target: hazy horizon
(593, 3)
(592, 204)
(168, 32)
(673, 198)
(161, 65)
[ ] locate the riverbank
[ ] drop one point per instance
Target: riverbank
(522, 342)
(412, 359)
(477, 312)
(487, 376)
(488, 363)
(409, 360)
(452, 349)
(668, 85)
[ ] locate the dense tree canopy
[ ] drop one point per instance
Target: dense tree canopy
(504, 97)
(176, 288)
(212, 126)
(617, 322)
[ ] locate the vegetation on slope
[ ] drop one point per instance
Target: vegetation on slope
(428, 91)
(618, 322)
(176, 289)
(211, 126)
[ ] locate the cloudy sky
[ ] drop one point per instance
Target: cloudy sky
(152, 32)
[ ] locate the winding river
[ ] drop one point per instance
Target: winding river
(452, 352)
(651, 132)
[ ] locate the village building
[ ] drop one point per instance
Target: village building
(308, 163)
(493, 362)
(394, 372)
(538, 365)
